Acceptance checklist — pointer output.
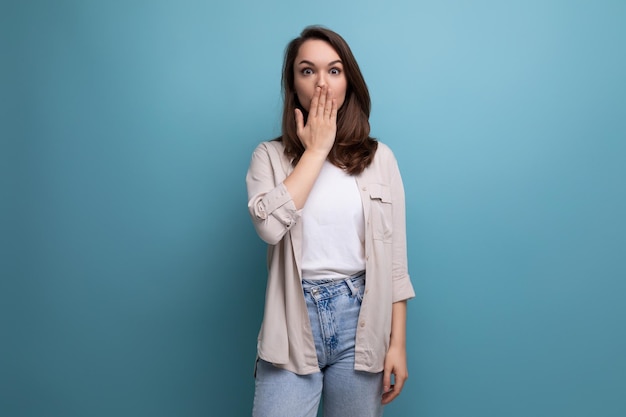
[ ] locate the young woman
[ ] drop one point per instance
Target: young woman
(329, 201)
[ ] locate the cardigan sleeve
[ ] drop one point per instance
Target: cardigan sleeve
(271, 207)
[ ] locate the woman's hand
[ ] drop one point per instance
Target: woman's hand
(395, 360)
(395, 364)
(317, 137)
(321, 127)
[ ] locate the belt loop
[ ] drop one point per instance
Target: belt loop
(348, 282)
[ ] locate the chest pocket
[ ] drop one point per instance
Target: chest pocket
(381, 211)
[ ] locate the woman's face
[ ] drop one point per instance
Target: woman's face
(317, 64)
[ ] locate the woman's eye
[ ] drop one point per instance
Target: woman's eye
(335, 71)
(307, 71)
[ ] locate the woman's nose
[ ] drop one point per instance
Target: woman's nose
(321, 81)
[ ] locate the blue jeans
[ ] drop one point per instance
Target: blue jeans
(333, 308)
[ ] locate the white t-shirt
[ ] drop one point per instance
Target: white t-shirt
(333, 227)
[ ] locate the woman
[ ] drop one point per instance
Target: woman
(329, 201)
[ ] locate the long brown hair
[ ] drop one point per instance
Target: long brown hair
(353, 149)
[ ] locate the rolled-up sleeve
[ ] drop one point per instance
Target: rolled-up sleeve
(271, 207)
(402, 287)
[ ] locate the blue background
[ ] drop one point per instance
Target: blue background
(132, 281)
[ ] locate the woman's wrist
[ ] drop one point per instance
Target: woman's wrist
(318, 154)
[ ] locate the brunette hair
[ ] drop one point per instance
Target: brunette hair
(353, 149)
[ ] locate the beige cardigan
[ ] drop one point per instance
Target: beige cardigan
(285, 338)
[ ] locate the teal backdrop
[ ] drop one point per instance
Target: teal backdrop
(132, 281)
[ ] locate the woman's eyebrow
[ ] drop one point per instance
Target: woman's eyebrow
(304, 61)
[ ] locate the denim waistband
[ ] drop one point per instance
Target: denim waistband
(332, 287)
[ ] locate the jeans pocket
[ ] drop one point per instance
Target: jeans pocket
(360, 292)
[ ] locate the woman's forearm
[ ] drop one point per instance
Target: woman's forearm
(300, 182)
(398, 324)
